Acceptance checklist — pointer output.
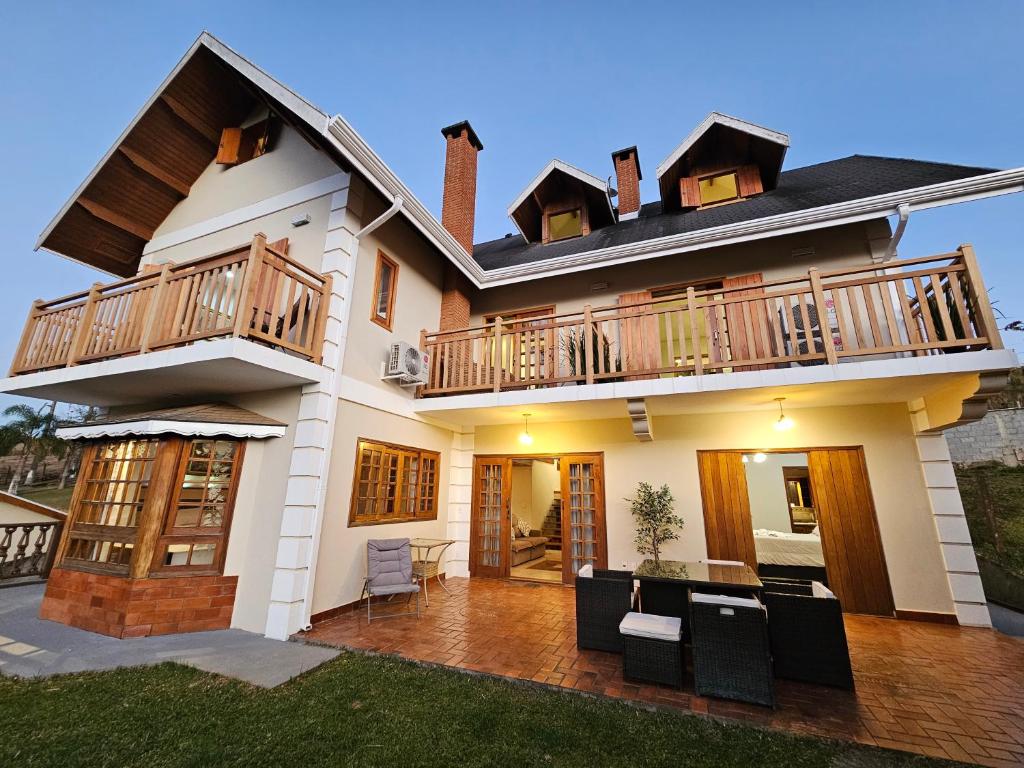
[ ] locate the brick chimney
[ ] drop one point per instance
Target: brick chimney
(627, 181)
(458, 210)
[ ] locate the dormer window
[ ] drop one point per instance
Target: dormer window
(565, 224)
(562, 202)
(718, 188)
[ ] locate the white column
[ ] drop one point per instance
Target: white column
(291, 589)
(951, 526)
(460, 498)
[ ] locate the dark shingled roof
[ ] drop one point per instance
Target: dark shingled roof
(814, 186)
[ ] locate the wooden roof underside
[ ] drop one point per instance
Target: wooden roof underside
(153, 167)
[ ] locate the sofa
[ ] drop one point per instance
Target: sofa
(526, 548)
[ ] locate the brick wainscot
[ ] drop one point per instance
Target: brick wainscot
(120, 607)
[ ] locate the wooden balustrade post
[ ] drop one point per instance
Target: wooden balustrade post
(320, 327)
(154, 308)
(26, 335)
(589, 348)
(84, 329)
(826, 328)
(977, 288)
(698, 353)
(247, 293)
(497, 354)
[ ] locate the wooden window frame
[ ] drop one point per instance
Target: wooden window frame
(386, 321)
(171, 535)
(99, 532)
(548, 215)
(399, 500)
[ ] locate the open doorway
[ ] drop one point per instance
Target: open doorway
(798, 513)
(569, 517)
(536, 546)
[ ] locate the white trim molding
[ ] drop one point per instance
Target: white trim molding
(265, 207)
(165, 426)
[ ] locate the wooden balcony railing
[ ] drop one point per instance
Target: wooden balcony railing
(27, 549)
(255, 292)
(926, 306)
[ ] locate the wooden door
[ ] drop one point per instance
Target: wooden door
(747, 322)
(727, 525)
(639, 339)
(491, 523)
(584, 538)
(850, 541)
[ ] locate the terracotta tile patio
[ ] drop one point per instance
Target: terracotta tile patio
(937, 690)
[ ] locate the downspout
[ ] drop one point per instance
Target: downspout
(335, 394)
(894, 241)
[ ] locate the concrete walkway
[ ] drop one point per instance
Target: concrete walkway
(31, 647)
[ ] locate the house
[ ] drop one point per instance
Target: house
(751, 338)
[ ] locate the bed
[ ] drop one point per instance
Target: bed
(784, 548)
(786, 555)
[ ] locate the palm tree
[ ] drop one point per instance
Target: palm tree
(33, 430)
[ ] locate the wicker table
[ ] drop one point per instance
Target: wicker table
(424, 565)
(665, 585)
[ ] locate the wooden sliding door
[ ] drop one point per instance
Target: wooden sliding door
(727, 524)
(849, 530)
(584, 540)
(491, 523)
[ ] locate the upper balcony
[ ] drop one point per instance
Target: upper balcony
(915, 314)
(199, 327)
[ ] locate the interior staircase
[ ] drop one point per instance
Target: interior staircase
(552, 527)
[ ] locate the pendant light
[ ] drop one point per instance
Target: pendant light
(525, 438)
(784, 422)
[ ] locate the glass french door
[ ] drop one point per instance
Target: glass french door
(491, 526)
(583, 523)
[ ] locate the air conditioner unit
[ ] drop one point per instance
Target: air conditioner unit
(406, 365)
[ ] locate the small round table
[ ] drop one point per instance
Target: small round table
(423, 567)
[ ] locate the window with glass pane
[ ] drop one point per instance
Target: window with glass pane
(563, 225)
(197, 520)
(384, 284)
(393, 483)
(104, 523)
(718, 188)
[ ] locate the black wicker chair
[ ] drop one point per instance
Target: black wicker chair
(602, 600)
(653, 659)
(807, 633)
(731, 651)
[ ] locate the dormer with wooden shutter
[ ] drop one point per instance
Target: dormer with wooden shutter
(723, 160)
(562, 202)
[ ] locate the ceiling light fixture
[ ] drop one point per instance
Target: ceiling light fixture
(784, 422)
(760, 458)
(525, 438)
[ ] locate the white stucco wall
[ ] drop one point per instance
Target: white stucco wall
(908, 533)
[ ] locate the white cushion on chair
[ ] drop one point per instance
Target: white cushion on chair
(651, 626)
(738, 602)
(587, 571)
(725, 562)
(820, 590)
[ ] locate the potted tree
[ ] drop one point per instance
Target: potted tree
(656, 521)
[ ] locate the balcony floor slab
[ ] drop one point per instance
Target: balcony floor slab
(205, 369)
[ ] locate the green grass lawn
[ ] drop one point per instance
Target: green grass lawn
(58, 498)
(371, 711)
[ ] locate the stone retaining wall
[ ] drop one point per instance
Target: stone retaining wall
(997, 437)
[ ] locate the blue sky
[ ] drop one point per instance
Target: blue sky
(928, 80)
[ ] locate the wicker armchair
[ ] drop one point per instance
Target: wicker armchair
(805, 624)
(731, 651)
(602, 600)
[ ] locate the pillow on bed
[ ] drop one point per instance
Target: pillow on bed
(815, 532)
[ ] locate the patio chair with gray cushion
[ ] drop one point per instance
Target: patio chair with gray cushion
(389, 573)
